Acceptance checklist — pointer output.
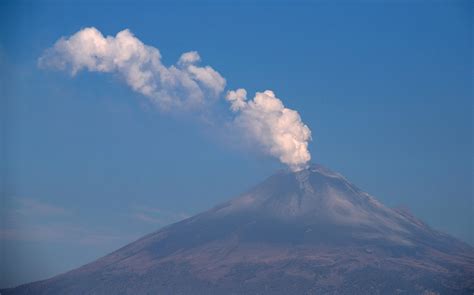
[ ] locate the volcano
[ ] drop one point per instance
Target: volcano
(306, 232)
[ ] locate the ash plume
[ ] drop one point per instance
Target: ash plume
(182, 85)
(277, 130)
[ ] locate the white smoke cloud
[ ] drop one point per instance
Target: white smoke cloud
(183, 85)
(278, 130)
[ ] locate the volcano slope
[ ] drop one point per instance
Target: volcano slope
(309, 232)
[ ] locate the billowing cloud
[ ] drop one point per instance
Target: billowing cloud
(182, 85)
(277, 129)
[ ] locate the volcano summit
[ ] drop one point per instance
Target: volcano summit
(306, 232)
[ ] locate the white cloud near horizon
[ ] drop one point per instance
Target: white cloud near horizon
(34, 220)
(32, 207)
(155, 215)
(64, 233)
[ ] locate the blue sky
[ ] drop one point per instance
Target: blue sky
(386, 90)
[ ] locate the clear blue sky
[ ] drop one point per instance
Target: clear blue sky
(385, 88)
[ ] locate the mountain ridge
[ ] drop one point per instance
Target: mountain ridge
(302, 232)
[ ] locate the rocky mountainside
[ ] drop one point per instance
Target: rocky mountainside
(309, 232)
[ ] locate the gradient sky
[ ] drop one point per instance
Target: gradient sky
(88, 167)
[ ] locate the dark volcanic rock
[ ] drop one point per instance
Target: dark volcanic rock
(310, 232)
